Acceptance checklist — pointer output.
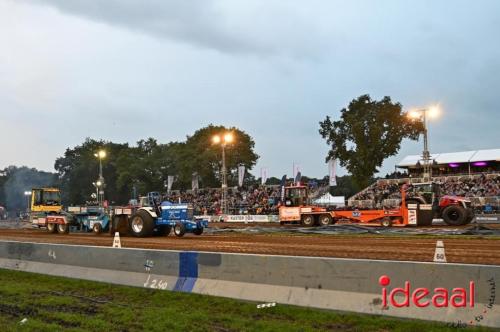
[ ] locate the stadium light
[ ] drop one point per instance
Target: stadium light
(228, 138)
(101, 154)
(429, 112)
(27, 194)
(223, 140)
(433, 112)
(216, 139)
(414, 114)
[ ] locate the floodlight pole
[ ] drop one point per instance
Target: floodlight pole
(426, 154)
(224, 179)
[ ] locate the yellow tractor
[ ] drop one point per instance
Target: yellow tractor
(47, 211)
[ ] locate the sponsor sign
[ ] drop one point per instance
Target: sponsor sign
(412, 217)
(240, 218)
(246, 218)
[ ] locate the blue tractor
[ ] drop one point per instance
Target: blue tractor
(155, 218)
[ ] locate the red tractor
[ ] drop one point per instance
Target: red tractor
(454, 210)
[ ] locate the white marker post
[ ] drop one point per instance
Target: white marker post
(116, 241)
(439, 255)
(266, 305)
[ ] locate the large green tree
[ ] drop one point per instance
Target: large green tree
(204, 157)
(367, 133)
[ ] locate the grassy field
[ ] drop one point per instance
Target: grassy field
(61, 304)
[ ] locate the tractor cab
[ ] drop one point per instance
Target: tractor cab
(296, 196)
(46, 200)
(426, 192)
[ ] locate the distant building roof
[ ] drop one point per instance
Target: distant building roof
(453, 157)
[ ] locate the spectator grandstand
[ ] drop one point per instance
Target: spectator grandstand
(473, 174)
(483, 189)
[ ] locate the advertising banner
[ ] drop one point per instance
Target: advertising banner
(194, 181)
(263, 175)
(241, 175)
(170, 182)
(332, 172)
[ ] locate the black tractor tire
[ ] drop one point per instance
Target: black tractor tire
(97, 228)
(141, 224)
(119, 224)
(307, 220)
(325, 219)
(455, 215)
(386, 222)
(63, 228)
(51, 228)
(198, 231)
(179, 229)
(164, 230)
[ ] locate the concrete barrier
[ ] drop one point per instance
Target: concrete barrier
(328, 283)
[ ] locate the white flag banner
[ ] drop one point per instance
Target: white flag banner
(194, 181)
(263, 176)
(296, 170)
(332, 172)
(170, 182)
(241, 175)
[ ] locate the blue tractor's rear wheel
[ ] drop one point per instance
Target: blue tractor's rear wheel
(141, 224)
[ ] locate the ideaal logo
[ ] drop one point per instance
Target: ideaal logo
(439, 298)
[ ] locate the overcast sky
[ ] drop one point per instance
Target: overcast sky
(123, 70)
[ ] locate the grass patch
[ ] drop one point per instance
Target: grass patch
(62, 304)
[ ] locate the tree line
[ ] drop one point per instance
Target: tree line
(367, 132)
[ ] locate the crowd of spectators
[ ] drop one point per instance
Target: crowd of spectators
(251, 200)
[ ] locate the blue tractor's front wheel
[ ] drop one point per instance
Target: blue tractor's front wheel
(198, 231)
(179, 229)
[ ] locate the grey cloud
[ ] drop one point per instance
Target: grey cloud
(201, 23)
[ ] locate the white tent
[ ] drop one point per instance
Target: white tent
(454, 157)
(328, 199)
(486, 155)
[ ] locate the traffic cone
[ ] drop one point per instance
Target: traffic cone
(116, 241)
(439, 255)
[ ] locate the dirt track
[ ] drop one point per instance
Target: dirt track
(467, 250)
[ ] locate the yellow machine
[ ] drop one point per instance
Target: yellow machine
(46, 200)
(47, 211)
